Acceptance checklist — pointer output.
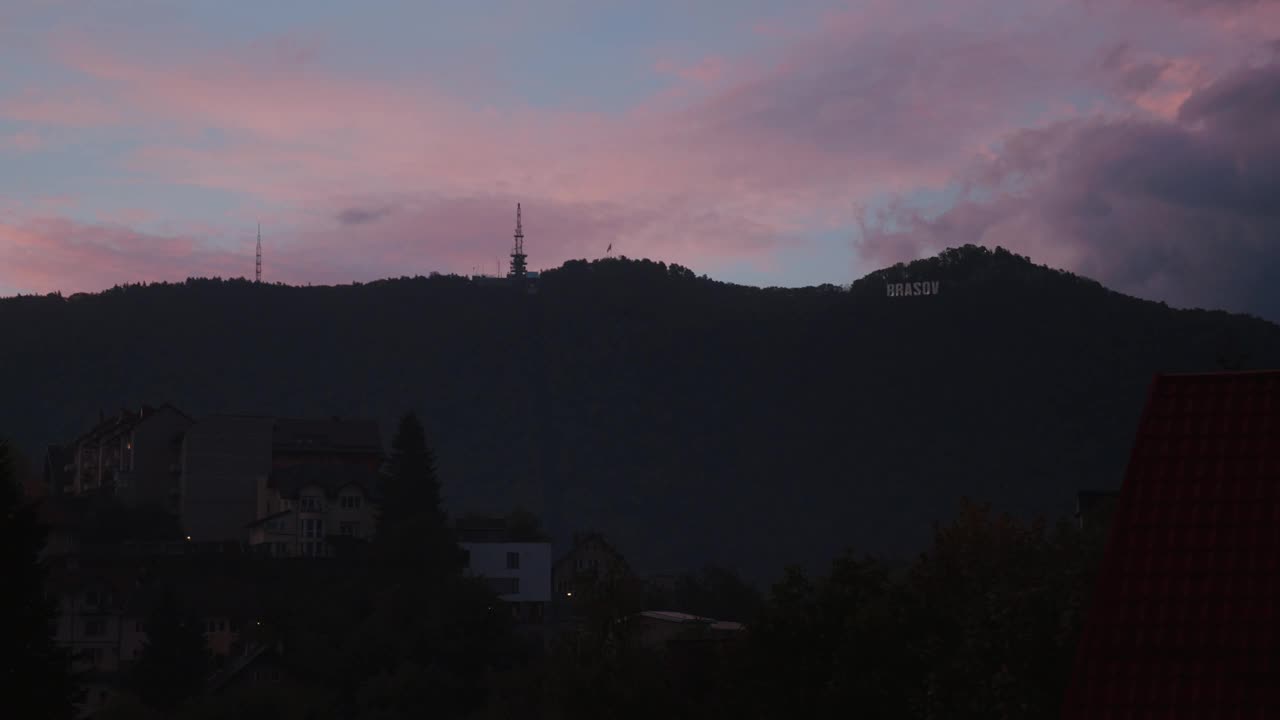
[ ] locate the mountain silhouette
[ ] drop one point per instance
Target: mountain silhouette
(689, 420)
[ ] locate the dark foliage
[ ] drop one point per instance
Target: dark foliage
(35, 674)
(175, 661)
(982, 626)
(625, 394)
(413, 534)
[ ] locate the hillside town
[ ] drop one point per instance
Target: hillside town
(152, 510)
(155, 493)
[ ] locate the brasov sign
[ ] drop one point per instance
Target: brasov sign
(927, 287)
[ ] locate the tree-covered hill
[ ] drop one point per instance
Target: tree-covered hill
(690, 420)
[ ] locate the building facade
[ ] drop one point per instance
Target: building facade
(304, 508)
(289, 487)
(225, 459)
(133, 456)
(591, 562)
(516, 564)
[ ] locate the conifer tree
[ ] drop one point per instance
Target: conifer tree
(34, 671)
(413, 531)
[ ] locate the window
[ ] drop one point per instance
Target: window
(137, 626)
(93, 656)
(311, 503)
(312, 528)
(350, 502)
(91, 597)
(95, 627)
(513, 561)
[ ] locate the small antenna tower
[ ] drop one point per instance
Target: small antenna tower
(517, 253)
(257, 274)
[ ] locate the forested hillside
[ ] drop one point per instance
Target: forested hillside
(692, 421)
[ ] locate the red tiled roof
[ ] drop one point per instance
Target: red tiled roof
(1185, 619)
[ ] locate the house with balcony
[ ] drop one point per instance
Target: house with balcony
(290, 487)
(513, 558)
(133, 456)
(310, 510)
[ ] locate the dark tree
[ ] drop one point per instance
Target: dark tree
(35, 673)
(175, 658)
(413, 531)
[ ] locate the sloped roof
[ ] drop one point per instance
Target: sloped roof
(582, 541)
(1185, 619)
(332, 477)
(334, 435)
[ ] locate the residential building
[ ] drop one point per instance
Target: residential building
(515, 562)
(133, 456)
(336, 441)
(89, 623)
(592, 576)
(303, 509)
(590, 562)
(284, 484)
(1184, 614)
(102, 613)
(225, 460)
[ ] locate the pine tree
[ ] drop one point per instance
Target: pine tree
(175, 657)
(413, 531)
(34, 671)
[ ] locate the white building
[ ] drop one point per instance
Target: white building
(517, 565)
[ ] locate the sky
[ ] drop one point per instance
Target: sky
(1136, 142)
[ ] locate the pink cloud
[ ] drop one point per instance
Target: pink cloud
(745, 158)
(52, 254)
(1182, 210)
(21, 142)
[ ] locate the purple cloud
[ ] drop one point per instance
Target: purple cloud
(1187, 211)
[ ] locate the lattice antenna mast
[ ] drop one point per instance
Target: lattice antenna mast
(257, 270)
(517, 253)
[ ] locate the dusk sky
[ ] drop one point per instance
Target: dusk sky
(771, 143)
